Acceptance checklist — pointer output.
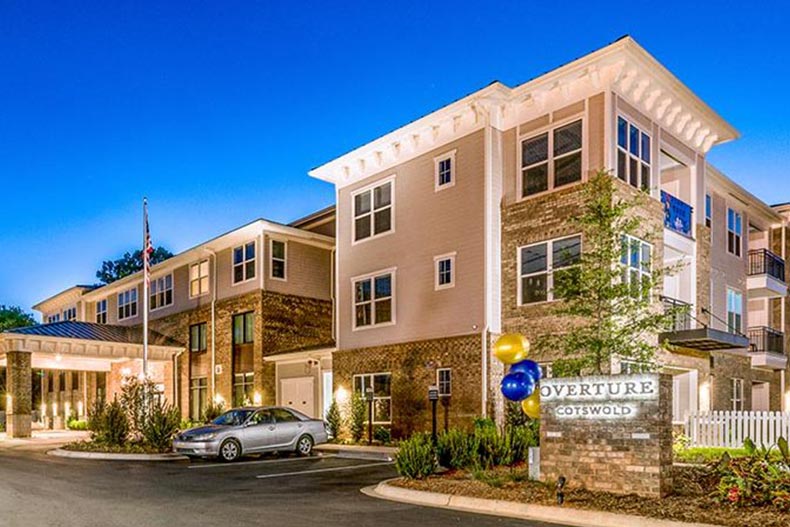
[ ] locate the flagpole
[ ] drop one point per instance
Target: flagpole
(146, 286)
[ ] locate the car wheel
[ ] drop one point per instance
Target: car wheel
(304, 446)
(229, 450)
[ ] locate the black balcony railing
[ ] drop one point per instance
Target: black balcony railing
(681, 313)
(762, 261)
(677, 214)
(766, 339)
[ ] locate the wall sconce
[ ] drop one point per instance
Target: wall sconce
(257, 399)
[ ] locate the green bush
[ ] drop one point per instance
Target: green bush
(760, 478)
(77, 424)
(520, 439)
(493, 447)
(213, 410)
(416, 457)
(358, 416)
(113, 425)
(382, 434)
(137, 399)
(333, 419)
(456, 449)
(160, 425)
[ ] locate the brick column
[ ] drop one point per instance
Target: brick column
(20, 394)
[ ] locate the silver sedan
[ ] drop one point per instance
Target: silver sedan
(252, 430)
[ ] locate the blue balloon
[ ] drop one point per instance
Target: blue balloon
(517, 386)
(530, 367)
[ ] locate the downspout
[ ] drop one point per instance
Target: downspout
(213, 325)
(484, 368)
(176, 383)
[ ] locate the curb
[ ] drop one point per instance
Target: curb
(106, 456)
(351, 453)
(522, 511)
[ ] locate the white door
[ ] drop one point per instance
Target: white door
(298, 393)
(761, 396)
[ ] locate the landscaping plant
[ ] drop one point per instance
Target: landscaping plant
(213, 410)
(456, 449)
(416, 458)
(382, 434)
(359, 412)
(138, 398)
(334, 420)
(160, 425)
(115, 424)
(760, 478)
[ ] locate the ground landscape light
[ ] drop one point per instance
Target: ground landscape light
(341, 395)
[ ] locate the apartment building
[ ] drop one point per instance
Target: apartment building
(450, 228)
(244, 318)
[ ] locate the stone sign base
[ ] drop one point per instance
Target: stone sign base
(608, 433)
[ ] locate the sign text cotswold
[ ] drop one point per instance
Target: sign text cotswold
(610, 397)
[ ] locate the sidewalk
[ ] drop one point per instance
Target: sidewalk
(42, 440)
(374, 452)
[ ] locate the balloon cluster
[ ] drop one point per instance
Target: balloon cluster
(520, 382)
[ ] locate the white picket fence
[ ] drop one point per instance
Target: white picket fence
(730, 429)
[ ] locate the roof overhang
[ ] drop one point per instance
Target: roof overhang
(300, 356)
(67, 348)
(760, 214)
(64, 298)
(705, 339)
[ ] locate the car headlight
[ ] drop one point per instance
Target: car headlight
(203, 437)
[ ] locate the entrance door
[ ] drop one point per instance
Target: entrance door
(761, 396)
(298, 393)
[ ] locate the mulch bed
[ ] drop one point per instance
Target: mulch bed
(688, 503)
(128, 448)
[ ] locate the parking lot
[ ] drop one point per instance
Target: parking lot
(36, 489)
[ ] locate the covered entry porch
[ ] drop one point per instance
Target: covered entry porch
(56, 371)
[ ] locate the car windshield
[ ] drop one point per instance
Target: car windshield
(232, 418)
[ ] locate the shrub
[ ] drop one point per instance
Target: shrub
(114, 424)
(382, 434)
(333, 419)
(680, 443)
(96, 414)
(160, 425)
(456, 449)
(758, 479)
(137, 399)
(77, 424)
(520, 439)
(493, 447)
(358, 416)
(213, 410)
(416, 457)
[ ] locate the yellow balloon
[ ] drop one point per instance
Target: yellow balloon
(511, 348)
(531, 405)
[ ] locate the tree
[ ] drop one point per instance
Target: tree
(129, 263)
(13, 317)
(612, 307)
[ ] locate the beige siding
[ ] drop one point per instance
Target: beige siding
(308, 271)
(427, 224)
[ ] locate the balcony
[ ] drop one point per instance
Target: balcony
(678, 215)
(684, 335)
(766, 275)
(767, 348)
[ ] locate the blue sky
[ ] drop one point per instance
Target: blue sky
(217, 110)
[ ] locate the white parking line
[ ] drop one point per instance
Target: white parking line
(262, 461)
(317, 470)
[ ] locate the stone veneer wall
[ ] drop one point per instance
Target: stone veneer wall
(604, 454)
(413, 367)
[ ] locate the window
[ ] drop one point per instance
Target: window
(444, 380)
(197, 338)
(631, 367)
(62, 381)
(373, 300)
(161, 294)
(127, 304)
(445, 271)
(243, 388)
(75, 380)
(281, 415)
(101, 311)
(198, 398)
(198, 278)
(633, 155)
(552, 159)
(636, 258)
(708, 210)
(382, 400)
(734, 311)
(70, 313)
(737, 395)
(373, 211)
(444, 168)
(53, 318)
(244, 263)
(541, 264)
(278, 251)
(244, 328)
(734, 232)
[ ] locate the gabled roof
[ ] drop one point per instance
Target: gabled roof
(72, 329)
(70, 295)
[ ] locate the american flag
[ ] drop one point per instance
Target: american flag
(149, 247)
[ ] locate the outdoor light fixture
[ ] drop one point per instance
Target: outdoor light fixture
(58, 357)
(341, 394)
(79, 408)
(218, 399)
(54, 409)
(126, 372)
(257, 399)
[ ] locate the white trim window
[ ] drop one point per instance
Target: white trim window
(538, 263)
(552, 159)
(244, 263)
(101, 311)
(382, 394)
(708, 210)
(161, 294)
(444, 171)
(374, 300)
(373, 211)
(70, 313)
(734, 233)
(636, 257)
(734, 311)
(444, 271)
(198, 278)
(127, 304)
(633, 154)
(278, 251)
(737, 395)
(444, 381)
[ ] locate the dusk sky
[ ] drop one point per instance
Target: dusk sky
(217, 110)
